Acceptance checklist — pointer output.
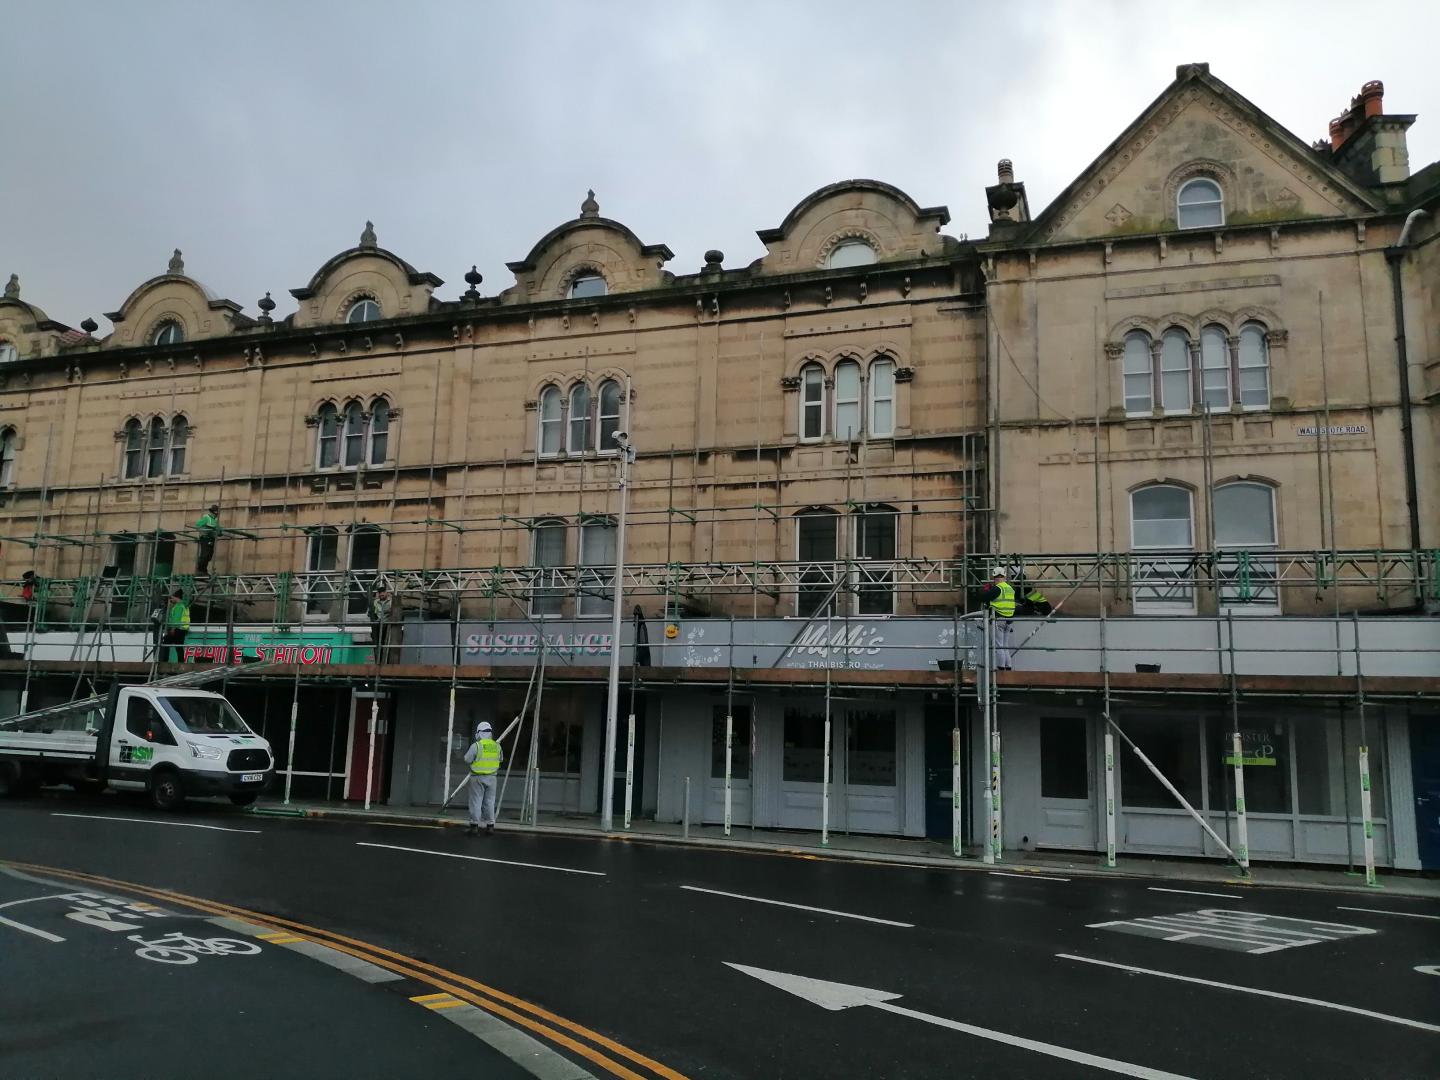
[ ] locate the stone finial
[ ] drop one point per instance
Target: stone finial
(714, 258)
(89, 326)
(12, 287)
(367, 238)
(590, 208)
(266, 305)
(473, 278)
(1006, 171)
(177, 264)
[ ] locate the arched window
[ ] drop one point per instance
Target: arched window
(155, 447)
(816, 548)
(366, 309)
(1139, 374)
(812, 401)
(7, 457)
(1199, 203)
(1215, 368)
(590, 283)
(134, 449)
(547, 555)
(1245, 526)
(1161, 520)
(847, 400)
(179, 437)
(550, 420)
(1175, 371)
(327, 445)
(8, 352)
(882, 397)
(1254, 367)
(609, 416)
(379, 431)
(850, 253)
(354, 434)
(876, 541)
(322, 557)
(168, 332)
(580, 424)
(597, 563)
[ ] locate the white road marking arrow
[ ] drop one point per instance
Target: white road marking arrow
(837, 996)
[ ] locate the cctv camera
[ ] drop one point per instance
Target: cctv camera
(621, 436)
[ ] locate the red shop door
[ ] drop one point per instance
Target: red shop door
(360, 722)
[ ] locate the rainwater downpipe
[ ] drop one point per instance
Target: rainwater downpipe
(1394, 256)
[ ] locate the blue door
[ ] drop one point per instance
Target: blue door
(1425, 769)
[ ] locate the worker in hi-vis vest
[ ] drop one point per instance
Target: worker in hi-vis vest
(999, 594)
(483, 757)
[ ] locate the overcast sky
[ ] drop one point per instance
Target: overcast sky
(259, 137)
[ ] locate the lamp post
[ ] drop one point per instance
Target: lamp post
(612, 704)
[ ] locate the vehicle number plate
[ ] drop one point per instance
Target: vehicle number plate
(252, 777)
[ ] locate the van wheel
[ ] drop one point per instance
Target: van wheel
(166, 791)
(244, 798)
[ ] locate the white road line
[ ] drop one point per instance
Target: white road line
(1192, 892)
(1337, 1006)
(479, 858)
(800, 907)
(1378, 911)
(30, 929)
(1028, 877)
(154, 821)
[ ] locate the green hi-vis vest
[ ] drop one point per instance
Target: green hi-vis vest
(1004, 604)
(487, 759)
(178, 617)
(1035, 596)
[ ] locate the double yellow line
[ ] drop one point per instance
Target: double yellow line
(595, 1048)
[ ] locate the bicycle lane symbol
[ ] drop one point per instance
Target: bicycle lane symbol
(180, 948)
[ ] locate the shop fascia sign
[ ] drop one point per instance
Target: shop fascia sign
(528, 644)
(211, 647)
(825, 640)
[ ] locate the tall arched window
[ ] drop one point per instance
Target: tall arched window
(580, 420)
(597, 566)
(379, 431)
(7, 457)
(1254, 367)
(179, 437)
(588, 284)
(327, 444)
(812, 401)
(1162, 519)
(882, 397)
(850, 253)
(322, 556)
(1139, 374)
(876, 542)
(354, 434)
(1245, 526)
(169, 332)
(1199, 203)
(1175, 371)
(1215, 368)
(847, 400)
(551, 432)
(547, 555)
(134, 449)
(366, 309)
(609, 416)
(816, 548)
(155, 447)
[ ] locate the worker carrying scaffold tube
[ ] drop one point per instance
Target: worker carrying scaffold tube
(484, 757)
(999, 594)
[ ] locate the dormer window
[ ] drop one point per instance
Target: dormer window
(1200, 204)
(168, 332)
(850, 253)
(587, 285)
(363, 310)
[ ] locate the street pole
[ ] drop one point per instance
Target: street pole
(612, 706)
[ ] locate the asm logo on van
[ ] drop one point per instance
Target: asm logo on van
(136, 755)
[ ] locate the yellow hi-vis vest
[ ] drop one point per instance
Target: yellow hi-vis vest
(1004, 604)
(487, 758)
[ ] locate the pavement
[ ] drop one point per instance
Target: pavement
(681, 961)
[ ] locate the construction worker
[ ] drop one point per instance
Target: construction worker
(483, 757)
(177, 625)
(999, 594)
(208, 526)
(1032, 601)
(381, 606)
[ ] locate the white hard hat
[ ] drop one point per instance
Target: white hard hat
(483, 728)
(999, 571)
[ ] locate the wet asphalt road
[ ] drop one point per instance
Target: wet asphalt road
(974, 973)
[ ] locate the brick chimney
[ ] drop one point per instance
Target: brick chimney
(1369, 144)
